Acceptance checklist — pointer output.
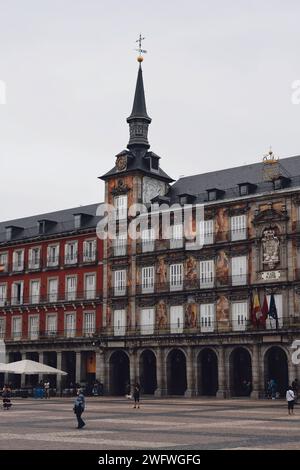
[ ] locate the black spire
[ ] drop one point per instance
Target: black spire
(139, 120)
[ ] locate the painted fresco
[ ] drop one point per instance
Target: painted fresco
(191, 271)
(222, 225)
(191, 315)
(222, 310)
(222, 268)
(161, 315)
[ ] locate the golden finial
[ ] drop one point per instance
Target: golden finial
(140, 50)
(270, 157)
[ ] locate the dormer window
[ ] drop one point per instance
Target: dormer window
(154, 163)
(281, 182)
(77, 220)
(186, 198)
(214, 194)
(12, 231)
(42, 227)
(244, 189)
(8, 233)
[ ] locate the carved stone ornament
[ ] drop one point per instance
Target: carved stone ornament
(121, 188)
(270, 244)
(121, 162)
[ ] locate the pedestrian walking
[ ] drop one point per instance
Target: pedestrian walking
(136, 395)
(79, 407)
(47, 389)
(273, 388)
(295, 387)
(6, 394)
(290, 398)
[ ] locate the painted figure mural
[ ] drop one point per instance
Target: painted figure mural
(161, 312)
(222, 309)
(222, 268)
(222, 225)
(191, 315)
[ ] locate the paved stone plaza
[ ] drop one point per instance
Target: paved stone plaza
(174, 423)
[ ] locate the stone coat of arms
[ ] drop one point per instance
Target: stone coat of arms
(270, 245)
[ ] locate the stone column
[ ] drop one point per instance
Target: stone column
(160, 373)
(132, 366)
(6, 373)
(78, 367)
(256, 377)
(100, 366)
(23, 376)
(41, 359)
(222, 390)
(58, 377)
(190, 375)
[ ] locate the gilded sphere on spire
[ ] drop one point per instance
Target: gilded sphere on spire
(140, 58)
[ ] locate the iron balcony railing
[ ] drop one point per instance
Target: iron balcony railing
(86, 295)
(46, 263)
(51, 334)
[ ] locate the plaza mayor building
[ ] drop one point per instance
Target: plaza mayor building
(216, 320)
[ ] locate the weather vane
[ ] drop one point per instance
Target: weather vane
(140, 50)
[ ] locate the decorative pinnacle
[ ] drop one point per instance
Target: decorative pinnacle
(140, 50)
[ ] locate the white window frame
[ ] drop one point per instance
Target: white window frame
(2, 327)
(52, 296)
(33, 261)
(120, 282)
(239, 315)
(207, 273)
(176, 240)
(3, 294)
(51, 330)
(176, 276)
(120, 245)
(89, 251)
(4, 260)
(70, 294)
(147, 316)
(121, 205)
(147, 279)
(89, 323)
(34, 297)
(14, 300)
(33, 327)
(176, 319)
(53, 261)
(239, 270)
(18, 262)
(89, 293)
(148, 240)
(119, 322)
(71, 255)
(238, 226)
(16, 333)
(207, 317)
(206, 230)
(70, 332)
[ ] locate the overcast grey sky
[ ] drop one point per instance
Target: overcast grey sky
(217, 77)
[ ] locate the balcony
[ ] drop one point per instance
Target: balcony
(195, 284)
(35, 300)
(113, 292)
(52, 335)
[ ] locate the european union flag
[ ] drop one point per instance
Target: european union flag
(273, 310)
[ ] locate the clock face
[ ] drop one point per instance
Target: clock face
(152, 188)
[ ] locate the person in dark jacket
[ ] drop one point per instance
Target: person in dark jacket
(79, 407)
(6, 394)
(136, 395)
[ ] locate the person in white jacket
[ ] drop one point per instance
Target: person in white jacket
(290, 398)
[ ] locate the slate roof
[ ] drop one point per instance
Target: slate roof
(64, 223)
(228, 180)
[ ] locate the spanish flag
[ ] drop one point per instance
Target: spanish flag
(256, 310)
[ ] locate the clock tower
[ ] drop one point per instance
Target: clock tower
(135, 178)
